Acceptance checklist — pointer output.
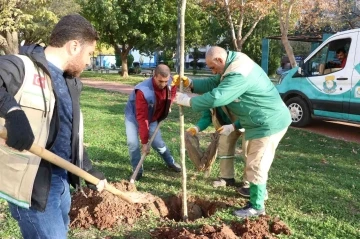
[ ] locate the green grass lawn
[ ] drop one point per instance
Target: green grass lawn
(313, 183)
(131, 80)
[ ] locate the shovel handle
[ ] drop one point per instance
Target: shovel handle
(143, 156)
(62, 163)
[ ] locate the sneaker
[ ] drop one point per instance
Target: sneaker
(245, 192)
(223, 182)
(175, 167)
(249, 211)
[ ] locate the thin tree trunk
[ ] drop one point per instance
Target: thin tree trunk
(231, 24)
(177, 67)
(284, 28)
(182, 135)
(9, 42)
(242, 40)
(123, 53)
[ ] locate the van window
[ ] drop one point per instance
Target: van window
(331, 58)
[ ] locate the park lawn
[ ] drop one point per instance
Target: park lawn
(313, 183)
(131, 80)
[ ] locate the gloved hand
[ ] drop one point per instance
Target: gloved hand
(176, 81)
(193, 131)
(182, 99)
(145, 149)
(99, 175)
(226, 129)
(19, 133)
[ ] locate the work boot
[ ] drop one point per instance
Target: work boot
(175, 167)
(249, 211)
(245, 192)
(223, 182)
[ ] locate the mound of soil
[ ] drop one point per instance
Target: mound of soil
(263, 227)
(105, 210)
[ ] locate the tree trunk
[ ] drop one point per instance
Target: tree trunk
(9, 42)
(231, 24)
(123, 53)
(289, 50)
(284, 28)
(241, 40)
(181, 112)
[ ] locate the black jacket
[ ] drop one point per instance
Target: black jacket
(12, 71)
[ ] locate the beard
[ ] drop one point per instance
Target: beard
(74, 67)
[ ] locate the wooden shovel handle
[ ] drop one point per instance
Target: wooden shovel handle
(62, 163)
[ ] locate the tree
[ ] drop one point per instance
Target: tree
(12, 18)
(30, 21)
(269, 26)
(44, 18)
(310, 14)
(124, 25)
(238, 14)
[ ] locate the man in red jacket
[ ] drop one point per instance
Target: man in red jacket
(148, 104)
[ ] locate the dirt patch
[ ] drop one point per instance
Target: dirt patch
(263, 227)
(105, 210)
(197, 208)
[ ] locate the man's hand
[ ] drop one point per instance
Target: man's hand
(19, 133)
(182, 99)
(226, 129)
(102, 183)
(193, 131)
(176, 81)
(145, 149)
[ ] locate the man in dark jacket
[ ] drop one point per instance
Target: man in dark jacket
(39, 100)
(149, 104)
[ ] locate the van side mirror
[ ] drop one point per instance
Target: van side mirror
(303, 68)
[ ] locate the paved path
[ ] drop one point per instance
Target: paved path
(333, 129)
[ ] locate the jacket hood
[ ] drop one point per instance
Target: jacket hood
(36, 53)
(230, 57)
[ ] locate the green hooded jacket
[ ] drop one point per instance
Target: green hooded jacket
(248, 93)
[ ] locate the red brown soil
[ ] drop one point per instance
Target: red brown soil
(263, 227)
(106, 211)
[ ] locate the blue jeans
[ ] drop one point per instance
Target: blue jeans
(53, 223)
(132, 134)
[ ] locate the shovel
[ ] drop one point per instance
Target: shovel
(132, 179)
(130, 197)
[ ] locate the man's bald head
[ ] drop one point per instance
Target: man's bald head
(215, 59)
(161, 76)
(162, 70)
(216, 52)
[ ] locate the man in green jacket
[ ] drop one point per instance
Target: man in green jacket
(247, 92)
(227, 143)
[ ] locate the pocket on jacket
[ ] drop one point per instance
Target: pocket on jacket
(12, 172)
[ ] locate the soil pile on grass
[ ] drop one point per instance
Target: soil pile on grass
(263, 227)
(105, 210)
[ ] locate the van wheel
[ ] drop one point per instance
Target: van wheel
(299, 110)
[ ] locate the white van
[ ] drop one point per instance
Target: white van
(326, 85)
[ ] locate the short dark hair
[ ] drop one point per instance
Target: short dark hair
(340, 50)
(162, 70)
(72, 27)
